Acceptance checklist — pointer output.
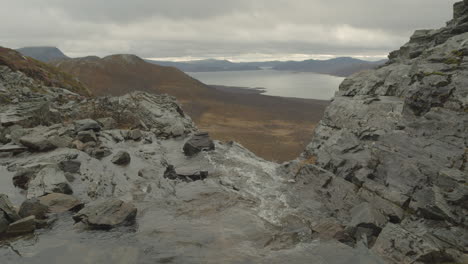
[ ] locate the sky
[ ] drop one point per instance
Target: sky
(239, 30)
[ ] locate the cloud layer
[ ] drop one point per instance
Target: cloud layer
(219, 28)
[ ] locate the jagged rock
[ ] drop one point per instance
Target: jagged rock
(23, 226)
(400, 246)
(171, 174)
(59, 203)
(49, 180)
(71, 166)
(86, 124)
(4, 222)
(33, 207)
(121, 158)
(107, 214)
(107, 123)
(366, 215)
(197, 143)
(430, 203)
(7, 208)
(86, 136)
(37, 143)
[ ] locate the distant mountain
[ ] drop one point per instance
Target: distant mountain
(44, 54)
(207, 65)
(46, 74)
(343, 66)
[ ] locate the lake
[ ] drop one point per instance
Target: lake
(276, 83)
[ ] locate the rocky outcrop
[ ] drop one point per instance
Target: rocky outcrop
(399, 134)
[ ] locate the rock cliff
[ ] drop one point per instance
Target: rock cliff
(399, 134)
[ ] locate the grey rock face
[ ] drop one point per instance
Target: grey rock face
(197, 143)
(107, 214)
(400, 134)
(121, 158)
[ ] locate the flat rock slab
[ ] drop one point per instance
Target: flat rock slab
(23, 226)
(59, 202)
(197, 143)
(37, 143)
(12, 148)
(86, 124)
(107, 214)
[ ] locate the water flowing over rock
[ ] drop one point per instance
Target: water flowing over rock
(384, 179)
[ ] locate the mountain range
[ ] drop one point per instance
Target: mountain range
(341, 66)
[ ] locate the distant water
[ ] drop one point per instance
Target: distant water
(277, 83)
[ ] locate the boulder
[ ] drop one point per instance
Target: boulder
(107, 214)
(59, 202)
(49, 180)
(197, 143)
(33, 207)
(121, 158)
(23, 226)
(37, 143)
(87, 136)
(7, 208)
(86, 124)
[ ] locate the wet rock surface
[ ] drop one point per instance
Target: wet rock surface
(383, 180)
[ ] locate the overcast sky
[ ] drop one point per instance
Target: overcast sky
(233, 29)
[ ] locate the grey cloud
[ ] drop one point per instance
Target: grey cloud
(201, 28)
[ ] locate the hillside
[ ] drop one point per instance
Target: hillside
(44, 54)
(272, 127)
(47, 74)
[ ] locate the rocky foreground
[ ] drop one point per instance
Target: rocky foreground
(130, 179)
